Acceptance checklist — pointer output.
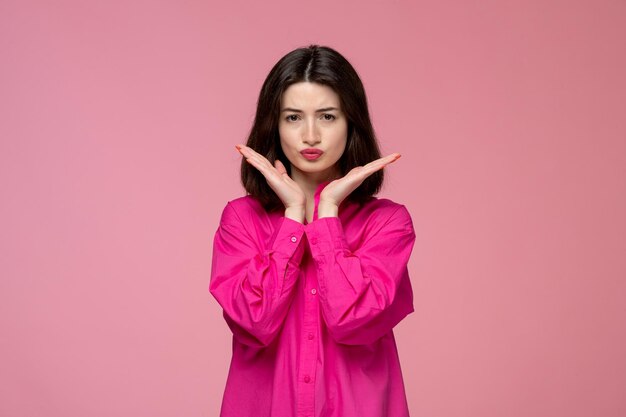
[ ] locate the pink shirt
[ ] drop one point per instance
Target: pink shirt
(312, 307)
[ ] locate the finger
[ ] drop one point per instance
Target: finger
(381, 162)
(270, 172)
(368, 169)
(261, 161)
(374, 165)
(267, 172)
(252, 154)
(280, 167)
(386, 159)
(249, 151)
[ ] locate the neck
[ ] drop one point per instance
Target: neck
(309, 182)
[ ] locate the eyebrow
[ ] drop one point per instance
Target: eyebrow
(316, 111)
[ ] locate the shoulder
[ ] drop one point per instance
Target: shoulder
(378, 214)
(384, 204)
(386, 209)
(243, 209)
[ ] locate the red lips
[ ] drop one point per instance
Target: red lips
(312, 151)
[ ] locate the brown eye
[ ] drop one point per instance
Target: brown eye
(291, 115)
(331, 117)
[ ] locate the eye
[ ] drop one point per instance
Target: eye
(288, 118)
(332, 117)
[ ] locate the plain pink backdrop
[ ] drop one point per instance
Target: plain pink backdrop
(117, 125)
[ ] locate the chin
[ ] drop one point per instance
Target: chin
(314, 169)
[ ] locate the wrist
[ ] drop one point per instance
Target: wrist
(295, 213)
(327, 209)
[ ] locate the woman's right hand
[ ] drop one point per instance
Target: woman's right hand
(277, 178)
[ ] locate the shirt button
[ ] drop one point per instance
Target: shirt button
(307, 379)
(313, 291)
(294, 239)
(310, 336)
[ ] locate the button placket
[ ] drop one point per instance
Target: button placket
(308, 358)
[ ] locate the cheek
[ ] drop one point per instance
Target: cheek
(341, 138)
(286, 141)
(282, 136)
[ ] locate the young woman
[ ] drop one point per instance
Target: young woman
(309, 267)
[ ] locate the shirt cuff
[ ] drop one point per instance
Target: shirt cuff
(288, 239)
(326, 234)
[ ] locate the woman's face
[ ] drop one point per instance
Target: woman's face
(311, 118)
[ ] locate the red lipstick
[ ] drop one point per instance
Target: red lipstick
(311, 153)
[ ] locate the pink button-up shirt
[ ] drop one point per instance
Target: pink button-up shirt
(312, 307)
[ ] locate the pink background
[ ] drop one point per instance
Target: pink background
(117, 126)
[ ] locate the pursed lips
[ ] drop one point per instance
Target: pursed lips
(312, 151)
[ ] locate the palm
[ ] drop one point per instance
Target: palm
(336, 191)
(277, 178)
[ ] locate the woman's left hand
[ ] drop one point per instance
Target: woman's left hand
(336, 191)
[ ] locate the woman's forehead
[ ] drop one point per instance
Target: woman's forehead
(309, 96)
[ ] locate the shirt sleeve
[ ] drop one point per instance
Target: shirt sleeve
(253, 280)
(363, 293)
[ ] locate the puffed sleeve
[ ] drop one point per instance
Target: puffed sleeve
(363, 293)
(253, 280)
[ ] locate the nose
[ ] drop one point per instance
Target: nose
(310, 134)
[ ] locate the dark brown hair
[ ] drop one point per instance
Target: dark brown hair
(322, 65)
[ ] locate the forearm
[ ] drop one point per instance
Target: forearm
(363, 292)
(253, 281)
